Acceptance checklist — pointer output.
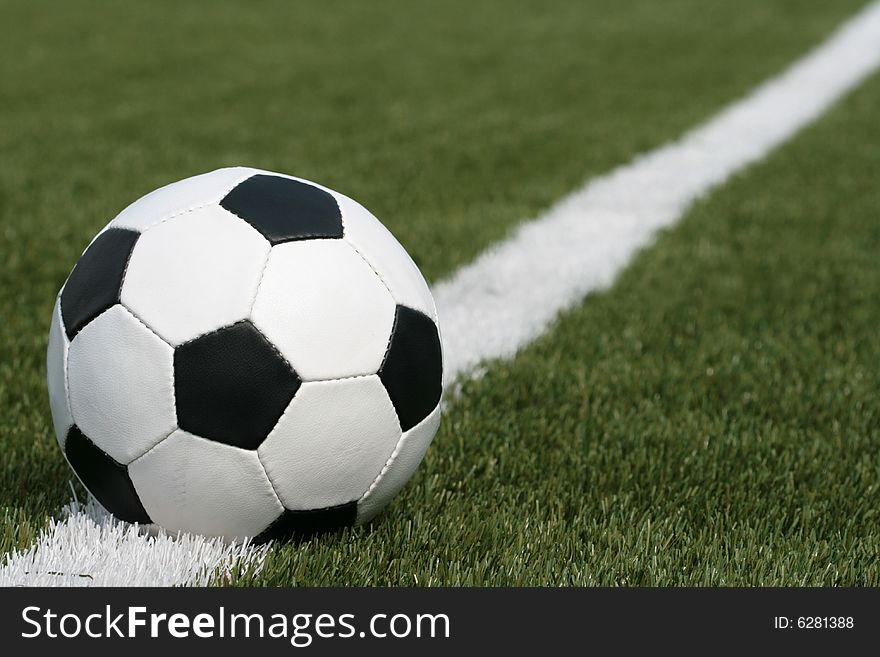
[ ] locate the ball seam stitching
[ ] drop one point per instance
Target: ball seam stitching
(65, 352)
(150, 449)
(214, 200)
(391, 458)
(373, 269)
(259, 283)
(390, 339)
(271, 486)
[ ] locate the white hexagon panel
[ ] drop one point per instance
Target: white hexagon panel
(325, 309)
(188, 483)
(121, 385)
(194, 273)
(331, 443)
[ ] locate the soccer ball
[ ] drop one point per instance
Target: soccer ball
(244, 354)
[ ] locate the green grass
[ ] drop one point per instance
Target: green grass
(605, 453)
(712, 419)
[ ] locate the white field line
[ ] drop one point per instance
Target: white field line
(510, 294)
(88, 547)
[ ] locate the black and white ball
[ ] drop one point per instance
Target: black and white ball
(245, 354)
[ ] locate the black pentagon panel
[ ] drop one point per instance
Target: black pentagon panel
(298, 525)
(105, 478)
(95, 282)
(413, 368)
(232, 385)
(284, 210)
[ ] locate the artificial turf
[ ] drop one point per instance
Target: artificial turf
(712, 419)
(606, 453)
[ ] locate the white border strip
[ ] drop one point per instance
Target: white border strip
(512, 293)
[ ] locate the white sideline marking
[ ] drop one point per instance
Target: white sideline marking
(88, 547)
(510, 294)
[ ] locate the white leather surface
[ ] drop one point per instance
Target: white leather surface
(56, 375)
(188, 483)
(120, 377)
(194, 273)
(404, 461)
(380, 248)
(331, 442)
(180, 196)
(325, 309)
